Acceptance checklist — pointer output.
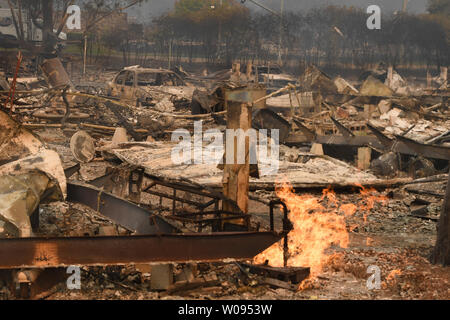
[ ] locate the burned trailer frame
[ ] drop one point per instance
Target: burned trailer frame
(43, 259)
(121, 250)
(156, 241)
(142, 182)
(124, 213)
(200, 218)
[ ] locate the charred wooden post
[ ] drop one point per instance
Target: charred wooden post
(236, 173)
(364, 158)
(49, 39)
(236, 72)
(249, 72)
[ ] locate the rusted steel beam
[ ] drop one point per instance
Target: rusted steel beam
(164, 248)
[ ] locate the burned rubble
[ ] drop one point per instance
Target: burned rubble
(244, 181)
(379, 156)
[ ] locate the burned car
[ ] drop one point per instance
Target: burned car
(272, 76)
(145, 86)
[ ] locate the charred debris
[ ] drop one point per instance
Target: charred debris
(85, 168)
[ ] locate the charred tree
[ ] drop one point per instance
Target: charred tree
(441, 253)
(48, 36)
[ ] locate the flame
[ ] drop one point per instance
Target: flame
(330, 196)
(393, 274)
(318, 225)
(391, 278)
(370, 197)
(349, 209)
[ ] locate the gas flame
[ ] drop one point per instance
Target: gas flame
(371, 197)
(318, 225)
(391, 278)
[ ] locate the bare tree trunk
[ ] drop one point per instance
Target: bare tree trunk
(47, 31)
(19, 14)
(16, 24)
(441, 253)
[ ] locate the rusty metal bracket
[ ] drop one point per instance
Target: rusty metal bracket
(287, 227)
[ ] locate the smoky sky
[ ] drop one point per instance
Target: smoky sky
(153, 8)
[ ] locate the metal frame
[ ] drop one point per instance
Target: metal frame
(121, 250)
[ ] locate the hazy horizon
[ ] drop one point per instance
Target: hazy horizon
(154, 8)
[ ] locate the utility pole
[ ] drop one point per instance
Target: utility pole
(84, 55)
(170, 54)
(280, 60)
(219, 40)
(405, 5)
(47, 30)
(279, 15)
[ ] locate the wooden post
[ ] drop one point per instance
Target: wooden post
(236, 72)
(317, 149)
(249, 72)
(364, 157)
(236, 177)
